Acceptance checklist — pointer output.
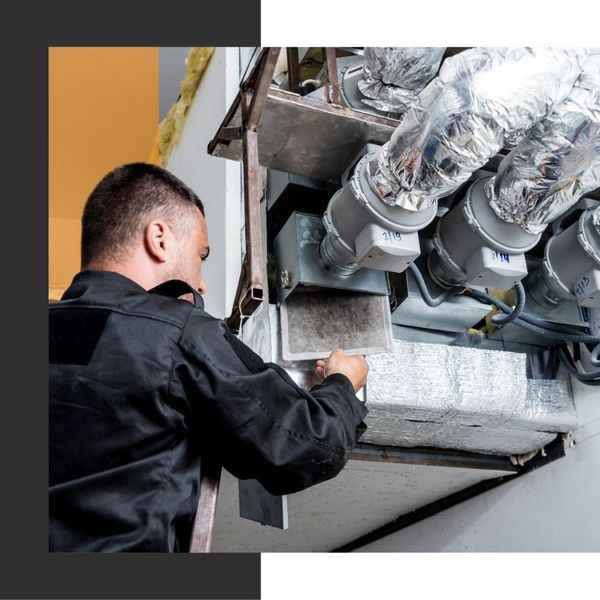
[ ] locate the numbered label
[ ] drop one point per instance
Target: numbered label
(581, 285)
(500, 257)
(392, 236)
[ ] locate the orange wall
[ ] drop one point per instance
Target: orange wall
(103, 112)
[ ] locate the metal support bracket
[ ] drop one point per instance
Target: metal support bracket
(332, 89)
(254, 90)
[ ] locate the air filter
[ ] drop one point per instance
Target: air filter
(313, 324)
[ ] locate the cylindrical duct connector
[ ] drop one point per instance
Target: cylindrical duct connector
(473, 245)
(571, 266)
(363, 231)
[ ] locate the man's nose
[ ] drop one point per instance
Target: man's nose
(202, 287)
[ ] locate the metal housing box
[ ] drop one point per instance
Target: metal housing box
(299, 263)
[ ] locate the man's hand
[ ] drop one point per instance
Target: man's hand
(355, 368)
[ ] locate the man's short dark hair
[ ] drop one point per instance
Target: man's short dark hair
(122, 204)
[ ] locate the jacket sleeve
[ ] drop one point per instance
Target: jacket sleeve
(255, 420)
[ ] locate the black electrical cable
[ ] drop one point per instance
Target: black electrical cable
(551, 364)
(555, 332)
(589, 378)
(533, 324)
(427, 298)
(487, 299)
(528, 322)
(555, 335)
(516, 315)
(508, 318)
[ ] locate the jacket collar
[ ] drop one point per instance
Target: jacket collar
(101, 281)
(111, 283)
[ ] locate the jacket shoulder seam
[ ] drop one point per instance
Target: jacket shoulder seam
(143, 315)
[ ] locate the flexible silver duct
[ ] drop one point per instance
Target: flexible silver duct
(590, 77)
(393, 77)
(556, 163)
(482, 99)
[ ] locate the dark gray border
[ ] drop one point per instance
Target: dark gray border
(28, 570)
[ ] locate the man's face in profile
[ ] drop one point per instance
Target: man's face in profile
(191, 250)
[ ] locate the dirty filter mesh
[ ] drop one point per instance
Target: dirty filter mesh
(315, 323)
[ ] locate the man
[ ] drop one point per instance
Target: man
(143, 382)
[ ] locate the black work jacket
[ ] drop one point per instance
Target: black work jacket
(141, 386)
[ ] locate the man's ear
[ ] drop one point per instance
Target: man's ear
(157, 240)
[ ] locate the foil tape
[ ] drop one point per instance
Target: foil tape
(393, 77)
(556, 163)
(462, 398)
(482, 99)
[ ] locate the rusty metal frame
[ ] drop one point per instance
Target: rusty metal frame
(253, 95)
(202, 531)
(434, 457)
(332, 89)
(293, 70)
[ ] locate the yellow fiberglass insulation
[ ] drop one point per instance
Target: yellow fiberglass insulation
(169, 130)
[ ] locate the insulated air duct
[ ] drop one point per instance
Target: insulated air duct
(556, 163)
(392, 78)
(481, 98)
(483, 240)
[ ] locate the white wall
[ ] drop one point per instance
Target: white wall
(554, 508)
(216, 180)
(171, 70)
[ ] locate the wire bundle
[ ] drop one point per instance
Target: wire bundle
(516, 315)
